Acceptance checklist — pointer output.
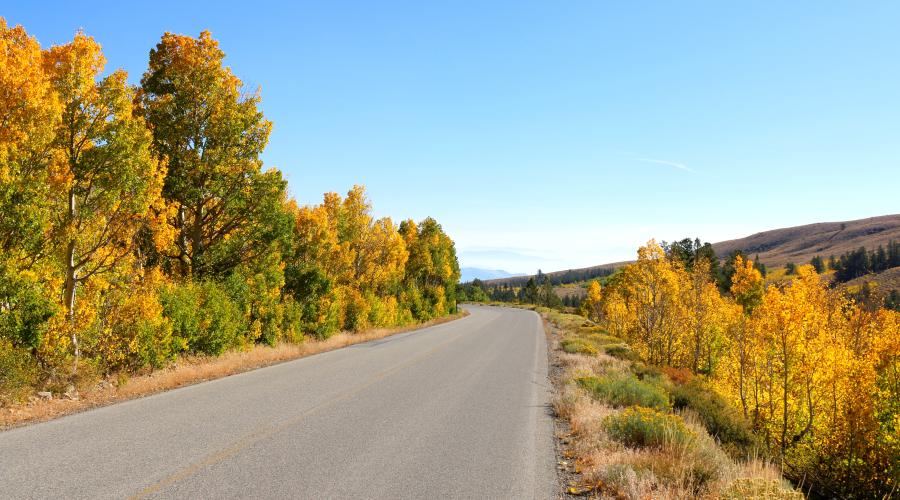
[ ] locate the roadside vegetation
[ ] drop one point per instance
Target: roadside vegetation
(632, 435)
(795, 372)
(139, 225)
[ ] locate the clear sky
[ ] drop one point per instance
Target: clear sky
(555, 134)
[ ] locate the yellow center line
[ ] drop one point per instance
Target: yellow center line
(268, 431)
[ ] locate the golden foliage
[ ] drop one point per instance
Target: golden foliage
(139, 223)
(815, 373)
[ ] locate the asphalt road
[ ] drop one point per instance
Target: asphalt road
(458, 410)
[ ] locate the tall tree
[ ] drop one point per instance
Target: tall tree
(29, 111)
(103, 178)
(432, 267)
(225, 209)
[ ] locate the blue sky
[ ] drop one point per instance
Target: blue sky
(556, 134)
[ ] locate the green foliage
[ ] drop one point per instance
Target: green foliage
(473, 292)
(432, 269)
(310, 287)
(689, 252)
(624, 389)
(147, 214)
(25, 310)
(18, 372)
(203, 317)
(257, 293)
(212, 133)
(649, 428)
(860, 262)
(818, 264)
(621, 351)
(722, 420)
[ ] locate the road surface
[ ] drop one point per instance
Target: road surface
(458, 410)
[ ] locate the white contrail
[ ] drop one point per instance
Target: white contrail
(680, 166)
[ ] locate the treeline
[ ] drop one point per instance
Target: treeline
(138, 223)
(538, 290)
(813, 373)
(557, 278)
(861, 262)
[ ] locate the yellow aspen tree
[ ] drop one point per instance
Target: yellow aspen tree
(593, 302)
(227, 210)
(747, 289)
(793, 325)
(102, 176)
(654, 286)
(709, 317)
(29, 112)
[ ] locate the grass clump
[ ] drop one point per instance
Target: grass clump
(746, 488)
(578, 346)
(639, 427)
(621, 351)
(624, 389)
(718, 417)
(601, 339)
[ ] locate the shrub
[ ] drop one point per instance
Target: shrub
(625, 390)
(578, 346)
(257, 294)
(649, 428)
(18, 372)
(679, 376)
(203, 316)
(647, 372)
(356, 311)
(131, 332)
(26, 308)
(621, 351)
(721, 419)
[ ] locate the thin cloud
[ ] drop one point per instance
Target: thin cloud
(680, 166)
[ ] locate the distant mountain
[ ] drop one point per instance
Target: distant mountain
(471, 273)
(776, 247)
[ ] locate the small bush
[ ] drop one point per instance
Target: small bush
(648, 428)
(621, 351)
(679, 376)
(721, 420)
(578, 346)
(646, 372)
(625, 390)
(18, 372)
(203, 317)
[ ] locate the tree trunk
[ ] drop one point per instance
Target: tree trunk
(183, 257)
(71, 284)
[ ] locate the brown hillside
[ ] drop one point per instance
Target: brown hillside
(796, 244)
(885, 281)
(801, 243)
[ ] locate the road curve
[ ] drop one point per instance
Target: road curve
(458, 410)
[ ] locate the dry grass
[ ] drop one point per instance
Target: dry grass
(676, 470)
(189, 370)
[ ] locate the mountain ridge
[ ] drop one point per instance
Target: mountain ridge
(778, 247)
